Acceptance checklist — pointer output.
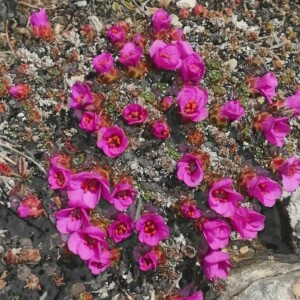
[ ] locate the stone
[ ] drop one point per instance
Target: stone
(244, 250)
(293, 210)
(264, 280)
(186, 3)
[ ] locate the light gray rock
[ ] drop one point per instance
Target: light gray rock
(294, 213)
(265, 280)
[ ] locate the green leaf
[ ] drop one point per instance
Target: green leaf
(128, 4)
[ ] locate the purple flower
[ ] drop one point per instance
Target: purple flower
(189, 170)
(247, 222)
(20, 91)
(85, 190)
(134, 114)
(223, 199)
(40, 24)
(116, 34)
(266, 86)
(184, 48)
(275, 130)
(123, 196)
(216, 233)
(87, 242)
(130, 54)
(161, 20)
(100, 262)
(121, 228)
(71, 219)
(81, 95)
(139, 40)
(30, 207)
(290, 173)
(166, 103)
(165, 56)
(58, 177)
(148, 261)
(191, 102)
(103, 63)
(152, 229)
(232, 110)
(112, 141)
(216, 265)
(293, 102)
(90, 121)
(265, 190)
(192, 69)
(160, 129)
(188, 209)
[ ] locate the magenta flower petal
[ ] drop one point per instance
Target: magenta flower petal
(275, 130)
(160, 129)
(216, 265)
(247, 222)
(112, 141)
(81, 95)
(290, 173)
(185, 49)
(232, 110)
(85, 189)
(293, 102)
(161, 20)
(116, 34)
(103, 63)
(266, 86)
(167, 57)
(123, 196)
(157, 44)
(134, 114)
(152, 229)
(264, 190)
(148, 261)
(223, 199)
(121, 228)
(216, 233)
(192, 69)
(191, 102)
(189, 170)
(130, 54)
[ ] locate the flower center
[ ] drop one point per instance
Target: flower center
(292, 170)
(191, 106)
(79, 98)
(87, 120)
(60, 178)
(90, 185)
(194, 68)
(102, 61)
(114, 141)
(121, 228)
(220, 195)
(135, 115)
(90, 241)
(150, 228)
(191, 168)
(190, 211)
(164, 55)
(76, 214)
(122, 194)
(147, 261)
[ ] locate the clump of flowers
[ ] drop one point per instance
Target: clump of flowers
(229, 202)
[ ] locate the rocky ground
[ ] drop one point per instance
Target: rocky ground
(237, 39)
